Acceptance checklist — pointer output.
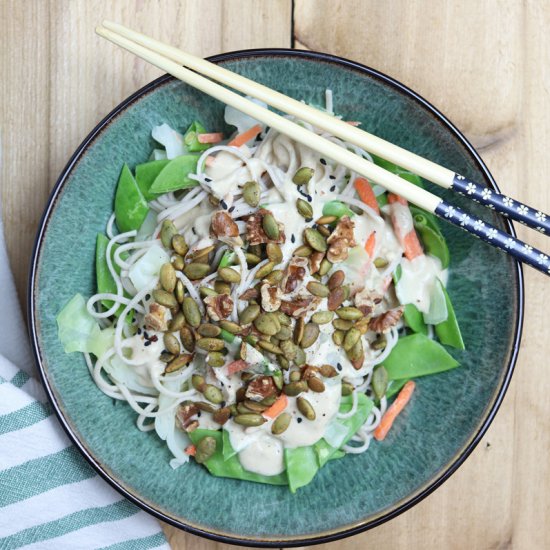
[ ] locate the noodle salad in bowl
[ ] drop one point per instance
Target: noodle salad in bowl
(261, 308)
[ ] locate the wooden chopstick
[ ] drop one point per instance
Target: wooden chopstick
(393, 183)
(373, 144)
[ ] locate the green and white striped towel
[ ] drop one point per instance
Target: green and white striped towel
(50, 497)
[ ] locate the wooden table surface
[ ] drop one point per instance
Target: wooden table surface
(484, 64)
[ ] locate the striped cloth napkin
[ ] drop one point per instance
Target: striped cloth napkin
(50, 498)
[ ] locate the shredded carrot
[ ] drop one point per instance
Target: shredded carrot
(214, 137)
(370, 244)
(236, 366)
(245, 137)
(393, 411)
(278, 407)
(410, 241)
(366, 194)
(353, 122)
(209, 160)
(191, 450)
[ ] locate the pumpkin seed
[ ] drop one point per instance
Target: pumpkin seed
(167, 231)
(278, 379)
(215, 359)
(233, 410)
(380, 342)
(229, 275)
(230, 326)
(206, 448)
(167, 277)
(269, 400)
(210, 344)
(306, 408)
(178, 262)
(198, 382)
(221, 287)
(171, 343)
(284, 334)
(249, 314)
(176, 322)
(178, 363)
(356, 351)
(209, 330)
(342, 324)
(221, 416)
(295, 376)
(300, 358)
(303, 175)
(338, 337)
(191, 312)
(205, 407)
(241, 392)
(252, 259)
(196, 270)
(250, 419)
(351, 338)
(213, 394)
(243, 351)
(284, 319)
(251, 193)
(202, 253)
(304, 209)
(336, 279)
(328, 371)
(166, 357)
(349, 313)
(335, 299)
(380, 262)
(165, 299)
(324, 220)
(282, 361)
(289, 349)
(315, 384)
(347, 291)
(274, 252)
(363, 325)
(187, 338)
(325, 231)
(325, 267)
(270, 226)
(281, 423)
(318, 289)
(380, 381)
(322, 317)
(214, 201)
(204, 291)
(347, 388)
(179, 245)
(292, 389)
(315, 240)
(242, 409)
(275, 277)
(311, 333)
(270, 347)
(303, 251)
(266, 323)
(265, 270)
(179, 291)
(254, 406)
(255, 249)
(299, 330)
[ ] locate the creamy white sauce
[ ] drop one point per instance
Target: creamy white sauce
(264, 456)
(417, 280)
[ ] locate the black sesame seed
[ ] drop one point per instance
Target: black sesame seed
(309, 198)
(292, 238)
(323, 162)
(259, 137)
(332, 177)
(194, 232)
(299, 420)
(339, 366)
(308, 219)
(147, 343)
(199, 414)
(333, 188)
(223, 204)
(146, 335)
(147, 297)
(207, 180)
(231, 209)
(139, 331)
(222, 404)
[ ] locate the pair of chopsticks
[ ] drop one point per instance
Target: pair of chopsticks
(171, 59)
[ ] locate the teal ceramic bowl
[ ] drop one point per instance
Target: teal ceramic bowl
(450, 411)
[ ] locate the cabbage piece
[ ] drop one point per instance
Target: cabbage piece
(243, 122)
(158, 154)
(79, 331)
(147, 267)
(172, 140)
(438, 305)
(335, 434)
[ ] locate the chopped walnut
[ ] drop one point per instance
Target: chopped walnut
(384, 322)
(260, 388)
(271, 297)
(249, 294)
(300, 306)
(254, 230)
(294, 274)
(366, 300)
(156, 318)
(341, 240)
(218, 307)
(315, 262)
(225, 229)
(184, 413)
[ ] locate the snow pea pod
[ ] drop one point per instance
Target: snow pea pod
(395, 386)
(417, 355)
(130, 205)
(231, 467)
(191, 139)
(227, 259)
(337, 208)
(432, 238)
(175, 175)
(448, 331)
(146, 174)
